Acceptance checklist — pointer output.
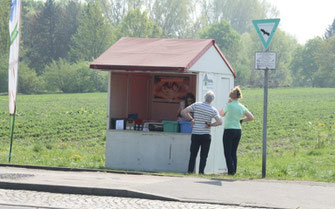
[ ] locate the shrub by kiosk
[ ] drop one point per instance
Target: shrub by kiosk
(147, 80)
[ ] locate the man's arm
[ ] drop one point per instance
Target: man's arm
(218, 122)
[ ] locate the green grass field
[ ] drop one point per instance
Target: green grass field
(69, 130)
(56, 130)
(301, 135)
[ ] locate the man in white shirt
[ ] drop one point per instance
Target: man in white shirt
(202, 122)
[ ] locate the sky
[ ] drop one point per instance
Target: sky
(305, 19)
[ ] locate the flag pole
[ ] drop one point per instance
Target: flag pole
(11, 125)
(13, 67)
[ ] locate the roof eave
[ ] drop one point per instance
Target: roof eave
(135, 68)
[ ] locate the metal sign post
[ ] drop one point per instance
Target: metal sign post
(265, 120)
(265, 61)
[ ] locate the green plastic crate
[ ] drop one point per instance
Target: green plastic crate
(170, 126)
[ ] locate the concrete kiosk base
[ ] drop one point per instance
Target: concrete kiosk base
(147, 151)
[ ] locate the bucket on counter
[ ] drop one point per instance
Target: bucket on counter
(185, 127)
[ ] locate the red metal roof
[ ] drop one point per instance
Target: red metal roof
(154, 54)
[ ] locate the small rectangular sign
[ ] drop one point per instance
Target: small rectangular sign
(265, 60)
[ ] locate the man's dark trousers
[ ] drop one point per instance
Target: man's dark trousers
(197, 141)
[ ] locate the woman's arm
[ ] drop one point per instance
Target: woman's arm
(180, 108)
(179, 112)
(187, 112)
(222, 113)
(249, 117)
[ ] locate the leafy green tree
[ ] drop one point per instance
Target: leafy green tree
(4, 44)
(325, 76)
(137, 24)
(45, 43)
(173, 16)
(239, 13)
(296, 67)
(330, 32)
(30, 8)
(69, 22)
(200, 23)
(4, 18)
(116, 10)
(226, 38)
(4, 72)
(47, 29)
(94, 34)
(285, 46)
(304, 65)
(244, 62)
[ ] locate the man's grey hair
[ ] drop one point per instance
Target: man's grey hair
(209, 96)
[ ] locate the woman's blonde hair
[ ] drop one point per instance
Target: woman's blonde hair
(236, 93)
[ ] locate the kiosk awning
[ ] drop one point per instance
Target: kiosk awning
(154, 54)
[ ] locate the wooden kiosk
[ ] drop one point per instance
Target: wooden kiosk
(148, 77)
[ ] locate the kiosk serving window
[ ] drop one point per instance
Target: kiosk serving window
(147, 97)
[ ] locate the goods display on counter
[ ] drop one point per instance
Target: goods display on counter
(114, 121)
(170, 126)
(155, 126)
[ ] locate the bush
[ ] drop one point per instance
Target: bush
(100, 79)
(73, 78)
(29, 82)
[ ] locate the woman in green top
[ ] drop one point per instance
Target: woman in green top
(234, 114)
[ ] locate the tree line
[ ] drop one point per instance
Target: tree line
(60, 37)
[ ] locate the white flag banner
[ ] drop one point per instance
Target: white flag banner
(14, 31)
